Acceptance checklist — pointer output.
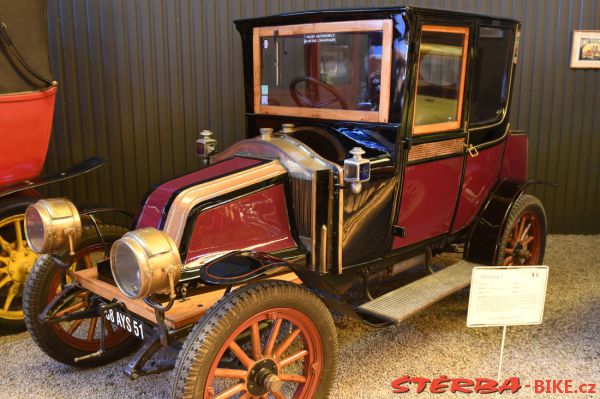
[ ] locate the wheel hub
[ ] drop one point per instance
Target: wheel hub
(262, 378)
(20, 264)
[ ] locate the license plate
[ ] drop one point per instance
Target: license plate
(126, 322)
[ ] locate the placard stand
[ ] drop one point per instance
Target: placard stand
(504, 328)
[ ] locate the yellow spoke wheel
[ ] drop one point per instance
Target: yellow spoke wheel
(16, 261)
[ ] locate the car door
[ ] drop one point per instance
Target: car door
(488, 118)
(436, 128)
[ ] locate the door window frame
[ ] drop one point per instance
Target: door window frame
(418, 130)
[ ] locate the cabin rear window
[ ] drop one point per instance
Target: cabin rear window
(327, 70)
(491, 80)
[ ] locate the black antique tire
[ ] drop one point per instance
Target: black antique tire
(523, 239)
(15, 262)
(231, 348)
(66, 341)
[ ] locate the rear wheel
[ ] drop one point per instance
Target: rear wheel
(524, 236)
(67, 340)
(16, 260)
(265, 340)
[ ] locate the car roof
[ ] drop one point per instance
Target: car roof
(362, 13)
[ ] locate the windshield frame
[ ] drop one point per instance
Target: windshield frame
(381, 25)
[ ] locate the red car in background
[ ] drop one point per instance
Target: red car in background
(27, 96)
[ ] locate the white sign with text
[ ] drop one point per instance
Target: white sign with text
(507, 296)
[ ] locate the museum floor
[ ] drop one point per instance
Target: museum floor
(432, 343)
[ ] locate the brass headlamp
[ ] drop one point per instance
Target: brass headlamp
(52, 225)
(144, 262)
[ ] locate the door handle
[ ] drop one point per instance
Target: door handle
(471, 150)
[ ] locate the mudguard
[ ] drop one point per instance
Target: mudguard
(484, 240)
(238, 267)
(82, 167)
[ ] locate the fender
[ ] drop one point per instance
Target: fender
(238, 267)
(15, 204)
(484, 239)
(82, 167)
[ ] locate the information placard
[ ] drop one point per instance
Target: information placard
(507, 296)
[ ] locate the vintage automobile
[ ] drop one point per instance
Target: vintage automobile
(377, 138)
(27, 96)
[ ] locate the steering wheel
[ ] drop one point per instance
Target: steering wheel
(303, 101)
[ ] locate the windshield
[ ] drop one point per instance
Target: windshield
(311, 67)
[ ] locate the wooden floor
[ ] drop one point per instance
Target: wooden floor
(181, 314)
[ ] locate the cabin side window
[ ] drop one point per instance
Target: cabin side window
(441, 78)
(491, 80)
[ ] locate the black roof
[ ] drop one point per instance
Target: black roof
(339, 14)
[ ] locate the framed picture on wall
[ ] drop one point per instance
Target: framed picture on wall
(585, 50)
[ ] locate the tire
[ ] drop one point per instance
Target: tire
(55, 339)
(12, 209)
(523, 240)
(261, 305)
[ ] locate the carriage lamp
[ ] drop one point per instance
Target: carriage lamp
(144, 262)
(288, 128)
(357, 170)
(205, 145)
(52, 225)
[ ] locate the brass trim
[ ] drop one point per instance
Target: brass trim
(313, 222)
(187, 199)
(496, 141)
(301, 162)
(323, 249)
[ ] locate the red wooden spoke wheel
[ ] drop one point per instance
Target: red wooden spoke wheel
(84, 334)
(265, 340)
(523, 247)
(263, 370)
(67, 340)
(524, 236)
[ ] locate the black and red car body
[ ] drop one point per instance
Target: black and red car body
(376, 138)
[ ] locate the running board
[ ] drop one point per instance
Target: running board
(418, 295)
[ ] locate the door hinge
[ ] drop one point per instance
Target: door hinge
(399, 231)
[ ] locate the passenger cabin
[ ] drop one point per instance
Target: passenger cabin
(425, 93)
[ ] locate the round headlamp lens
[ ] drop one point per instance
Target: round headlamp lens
(34, 229)
(145, 262)
(52, 225)
(127, 271)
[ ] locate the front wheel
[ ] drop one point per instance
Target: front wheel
(523, 239)
(266, 340)
(65, 341)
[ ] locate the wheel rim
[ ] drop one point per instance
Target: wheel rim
(16, 261)
(84, 334)
(524, 243)
(284, 359)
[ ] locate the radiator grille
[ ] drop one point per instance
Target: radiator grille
(302, 204)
